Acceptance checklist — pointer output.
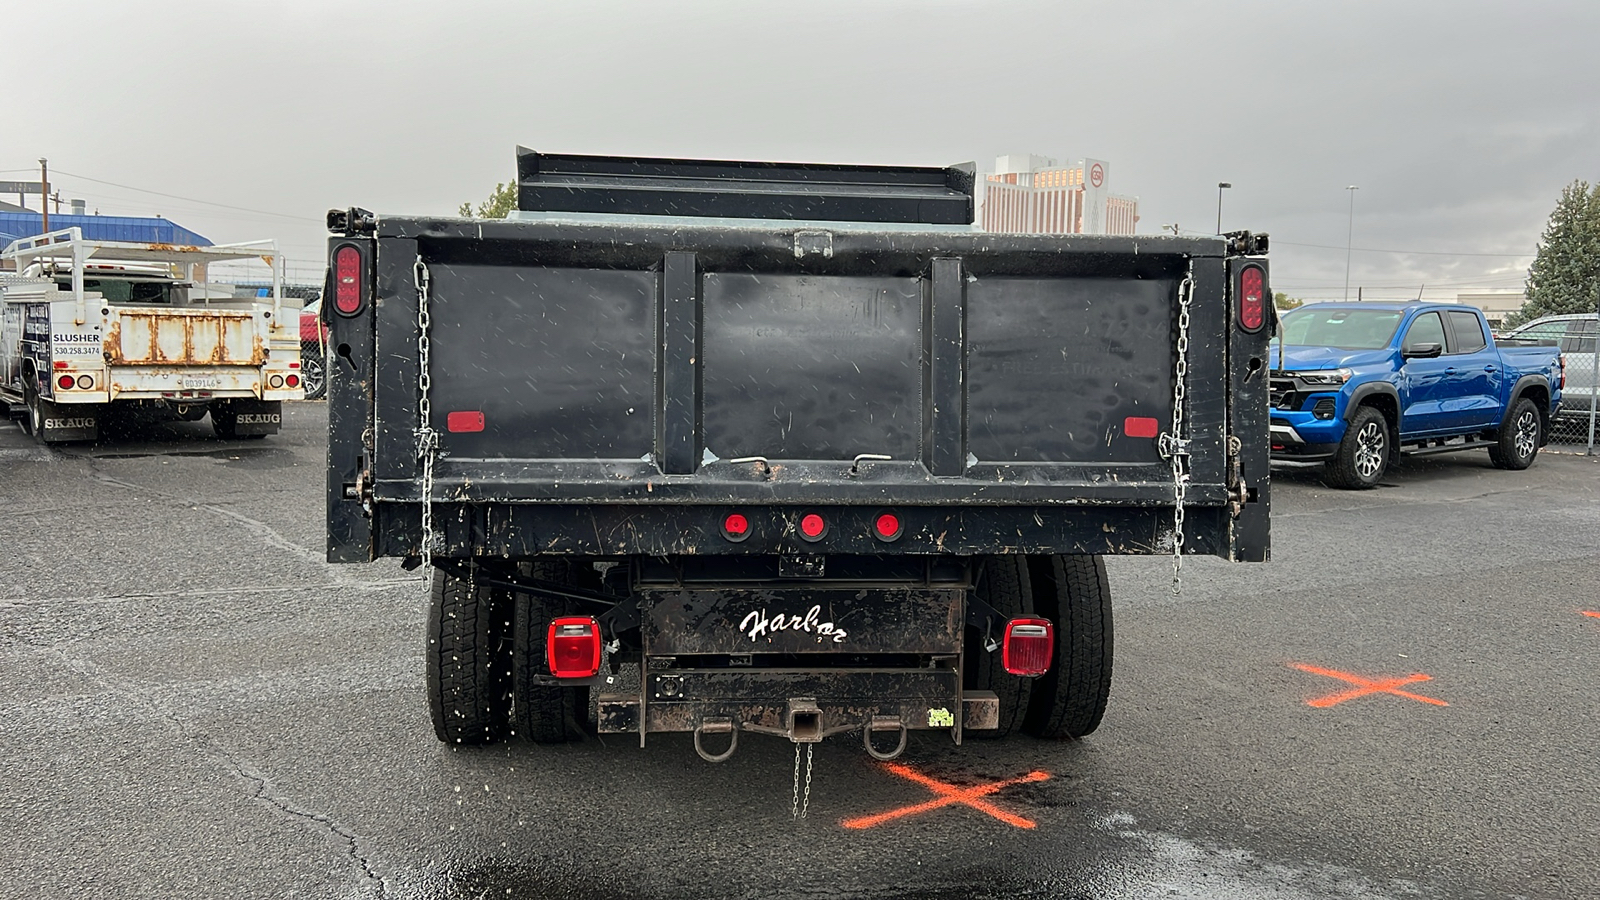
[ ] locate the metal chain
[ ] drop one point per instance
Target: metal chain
(805, 804)
(794, 811)
(1173, 444)
(801, 806)
(427, 438)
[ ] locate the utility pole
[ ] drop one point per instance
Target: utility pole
(44, 191)
(1221, 186)
(1349, 233)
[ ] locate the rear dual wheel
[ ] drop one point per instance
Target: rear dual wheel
(468, 659)
(1071, 591)
(547, 714)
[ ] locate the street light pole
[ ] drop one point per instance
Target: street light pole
(1349, 233)
(1221, 185)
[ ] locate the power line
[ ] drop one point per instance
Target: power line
(190, 199)
(1406, 252)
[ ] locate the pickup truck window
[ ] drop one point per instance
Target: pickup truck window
(119, 291)
(1348, 329)
(1468, 332)
(1426, 329)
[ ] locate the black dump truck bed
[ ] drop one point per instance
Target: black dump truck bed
(663, 374)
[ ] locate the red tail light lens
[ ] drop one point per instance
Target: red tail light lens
(1029, 647)
(887, 526)
(812, 527)
(572, 647)
(1252, 298)
(65, 382)
(736, 527)
(292, 381)
(347, 280)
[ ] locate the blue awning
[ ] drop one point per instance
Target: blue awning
(135, 229)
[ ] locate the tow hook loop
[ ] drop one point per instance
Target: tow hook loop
(716, 726)
(884, 723)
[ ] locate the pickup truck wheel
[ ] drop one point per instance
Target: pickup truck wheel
(546, 714)
(1003, 584)
(313, 371)
(468, 661)
(1517, 441)
(1069, 700)
(1363, 455)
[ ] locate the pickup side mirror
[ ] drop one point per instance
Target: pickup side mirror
(1428, 350)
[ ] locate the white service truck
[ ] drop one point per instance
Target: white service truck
(88, 327)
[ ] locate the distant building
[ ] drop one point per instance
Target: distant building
(1033, 195)
(1496, 305)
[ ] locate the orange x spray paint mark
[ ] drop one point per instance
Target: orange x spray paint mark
(950, 795)
(1365, 686)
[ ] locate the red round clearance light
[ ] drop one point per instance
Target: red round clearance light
(65, 382)
(347, 280)
(812, 527)
(1252, 298)
(292, 381)
(85, 382)
(735, 527)
(887, 526)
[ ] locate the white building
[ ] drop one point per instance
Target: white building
(1031, 194)
(1496, 305)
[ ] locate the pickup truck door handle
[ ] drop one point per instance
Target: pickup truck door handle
(1488, 368)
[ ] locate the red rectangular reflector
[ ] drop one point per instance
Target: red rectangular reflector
(1028, 647)
(1140, 426)
(572, 646)
(464, 421)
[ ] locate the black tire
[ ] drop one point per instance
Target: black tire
(1363, 455)
(1519, 437)
(1069, 701)
(31, 408)
(468, 661)
(547, 714)
(313, 371)
(1003, 584)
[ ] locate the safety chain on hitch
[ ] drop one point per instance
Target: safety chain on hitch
(1174, 446)
(801, 806)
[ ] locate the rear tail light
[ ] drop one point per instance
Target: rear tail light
(736, 527)
(1563, 358)
(1028, 647)
(887, 527)
(348, 294)
(65, 382)
(1252, 298)
(813, 527)
(572, 647)
(85, 382)
(292, 381)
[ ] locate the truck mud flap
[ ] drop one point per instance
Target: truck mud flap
(58, 423)
(250, 417)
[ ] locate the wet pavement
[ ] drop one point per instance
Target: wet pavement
(1401, 704)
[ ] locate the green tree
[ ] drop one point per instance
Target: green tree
(1285, 302)
(1566, 271)
(500, 203)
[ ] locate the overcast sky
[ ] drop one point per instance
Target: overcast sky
(1459, 121)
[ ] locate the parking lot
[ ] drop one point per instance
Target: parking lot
(1401, 704)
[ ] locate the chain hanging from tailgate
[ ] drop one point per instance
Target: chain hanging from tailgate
(1174, 447)
(801, 807)
(427, 438)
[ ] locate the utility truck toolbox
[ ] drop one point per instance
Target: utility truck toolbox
(738, 448)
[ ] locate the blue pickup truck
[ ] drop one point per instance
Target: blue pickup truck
(1355, 384)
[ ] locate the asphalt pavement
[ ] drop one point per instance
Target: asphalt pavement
(1401, 704)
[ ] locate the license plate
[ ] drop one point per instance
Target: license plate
(193, 382)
